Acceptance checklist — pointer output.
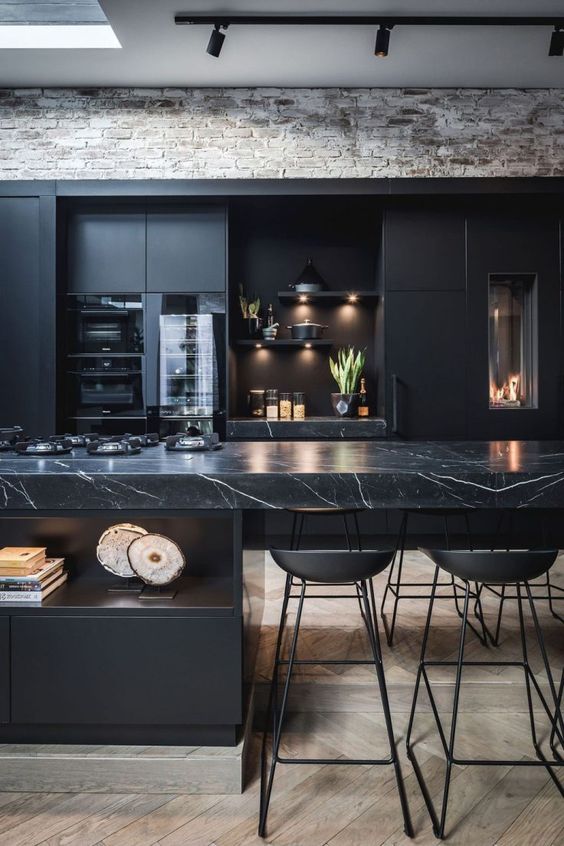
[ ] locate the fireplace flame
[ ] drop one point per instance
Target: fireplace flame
(507, 394)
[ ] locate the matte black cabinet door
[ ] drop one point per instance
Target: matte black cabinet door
(4, 670)
(507, 243)
(27, 313)
(106, 252)
(425, 249)
(426, 349)
(126, 671)
(186, 250)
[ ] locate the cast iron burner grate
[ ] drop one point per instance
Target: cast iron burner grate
(114, 446)
(40, 447)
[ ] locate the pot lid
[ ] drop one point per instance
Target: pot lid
(307, 322)
(310, 276)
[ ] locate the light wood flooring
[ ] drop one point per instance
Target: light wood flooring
(335, 712)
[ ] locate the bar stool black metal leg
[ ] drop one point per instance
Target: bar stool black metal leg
(554, 713)
(294, 526)
(347, 536)
(266, 790)
(394, 588)
(369, 618)
(440, 833)
(357, 528)
(553, 731)
(300, 530)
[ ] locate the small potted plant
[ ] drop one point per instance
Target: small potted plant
(346, 373)
(250, 307)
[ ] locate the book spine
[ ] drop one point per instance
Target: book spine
(19, 586)
(21, 596)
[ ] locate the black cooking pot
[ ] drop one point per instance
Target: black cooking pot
(307, 331)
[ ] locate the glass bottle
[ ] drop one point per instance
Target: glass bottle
(270, 315)
(363, 410)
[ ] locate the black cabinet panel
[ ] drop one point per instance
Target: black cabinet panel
(106, 251)
(505, 242)
(5, 670)
(186, 250)
(426, 343)
(27, 310)
(126, 671)
(425, 249)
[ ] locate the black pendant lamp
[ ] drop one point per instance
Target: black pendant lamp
(309, 281)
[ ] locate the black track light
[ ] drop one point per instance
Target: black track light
(557, 42)
(216, 41)
(382, 41)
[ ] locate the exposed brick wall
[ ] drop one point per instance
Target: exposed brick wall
(259, 133)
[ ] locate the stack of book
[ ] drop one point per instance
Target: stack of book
(27, 575)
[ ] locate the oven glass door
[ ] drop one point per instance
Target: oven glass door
(106, 324)
(188, 367)
(106, 388)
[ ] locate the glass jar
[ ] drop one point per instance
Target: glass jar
(299, 405)
(285, 406)
(271, 395)
(256, 402)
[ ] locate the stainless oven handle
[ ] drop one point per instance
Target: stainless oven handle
(107, 312)
(395, 424)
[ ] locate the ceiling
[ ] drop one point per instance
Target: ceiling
(155, 52)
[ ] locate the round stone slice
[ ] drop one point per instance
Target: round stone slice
(112, 548)
(156, 559)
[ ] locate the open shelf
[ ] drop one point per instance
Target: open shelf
(283, 343)
(327, 297)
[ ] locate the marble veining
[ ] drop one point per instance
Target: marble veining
(275, 474)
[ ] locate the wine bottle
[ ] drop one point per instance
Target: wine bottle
(363, 410)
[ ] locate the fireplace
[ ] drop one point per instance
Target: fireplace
(512, 341)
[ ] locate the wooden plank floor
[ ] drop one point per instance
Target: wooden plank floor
(335, 713)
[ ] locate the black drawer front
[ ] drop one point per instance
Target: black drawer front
(4, 670)
(126, 671)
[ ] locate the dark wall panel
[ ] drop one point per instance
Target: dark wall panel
(27, 310)
(186, 250)
(426, 350)
(425, 249)
(106, 251)
(505, 242)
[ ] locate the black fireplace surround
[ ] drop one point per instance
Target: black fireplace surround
(457, 288)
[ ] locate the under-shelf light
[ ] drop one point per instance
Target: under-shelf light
(303, 298)
(307, 346)
(352, 298)
(258, 346)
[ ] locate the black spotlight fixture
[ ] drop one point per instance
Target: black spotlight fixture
(557, 42)
(382, 41)
(216, 41)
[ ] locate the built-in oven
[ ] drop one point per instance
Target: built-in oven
(105, 323)
(106, 387)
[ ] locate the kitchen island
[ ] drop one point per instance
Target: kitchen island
(92, 666)
(275, 475)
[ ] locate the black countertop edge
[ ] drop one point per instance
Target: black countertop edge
(267, 475)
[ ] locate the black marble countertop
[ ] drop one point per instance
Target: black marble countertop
(327, 428)
(269, 475)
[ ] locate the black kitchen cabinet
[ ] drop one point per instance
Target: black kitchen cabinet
(27, 310)
(126, 671)
(186, 250)
(508, 244)
(425, 249)
(106, 251)
(426, 350)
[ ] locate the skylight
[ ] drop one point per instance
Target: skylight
(58, 37)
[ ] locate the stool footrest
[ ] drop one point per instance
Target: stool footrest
(369, 762)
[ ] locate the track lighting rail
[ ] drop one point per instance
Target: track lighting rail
(224, 20)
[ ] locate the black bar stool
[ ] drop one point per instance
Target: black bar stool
(326, 568)
(300, 515)
(502, 568)
(399, 588)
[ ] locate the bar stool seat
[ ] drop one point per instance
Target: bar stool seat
(479, 567)
(327, 567)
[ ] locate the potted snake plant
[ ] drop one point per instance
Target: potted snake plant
(346, 371)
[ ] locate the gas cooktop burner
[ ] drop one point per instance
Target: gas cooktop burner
(40, 447)
(193, 443)
(76, 440)
(9, 435)
(131, 446)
